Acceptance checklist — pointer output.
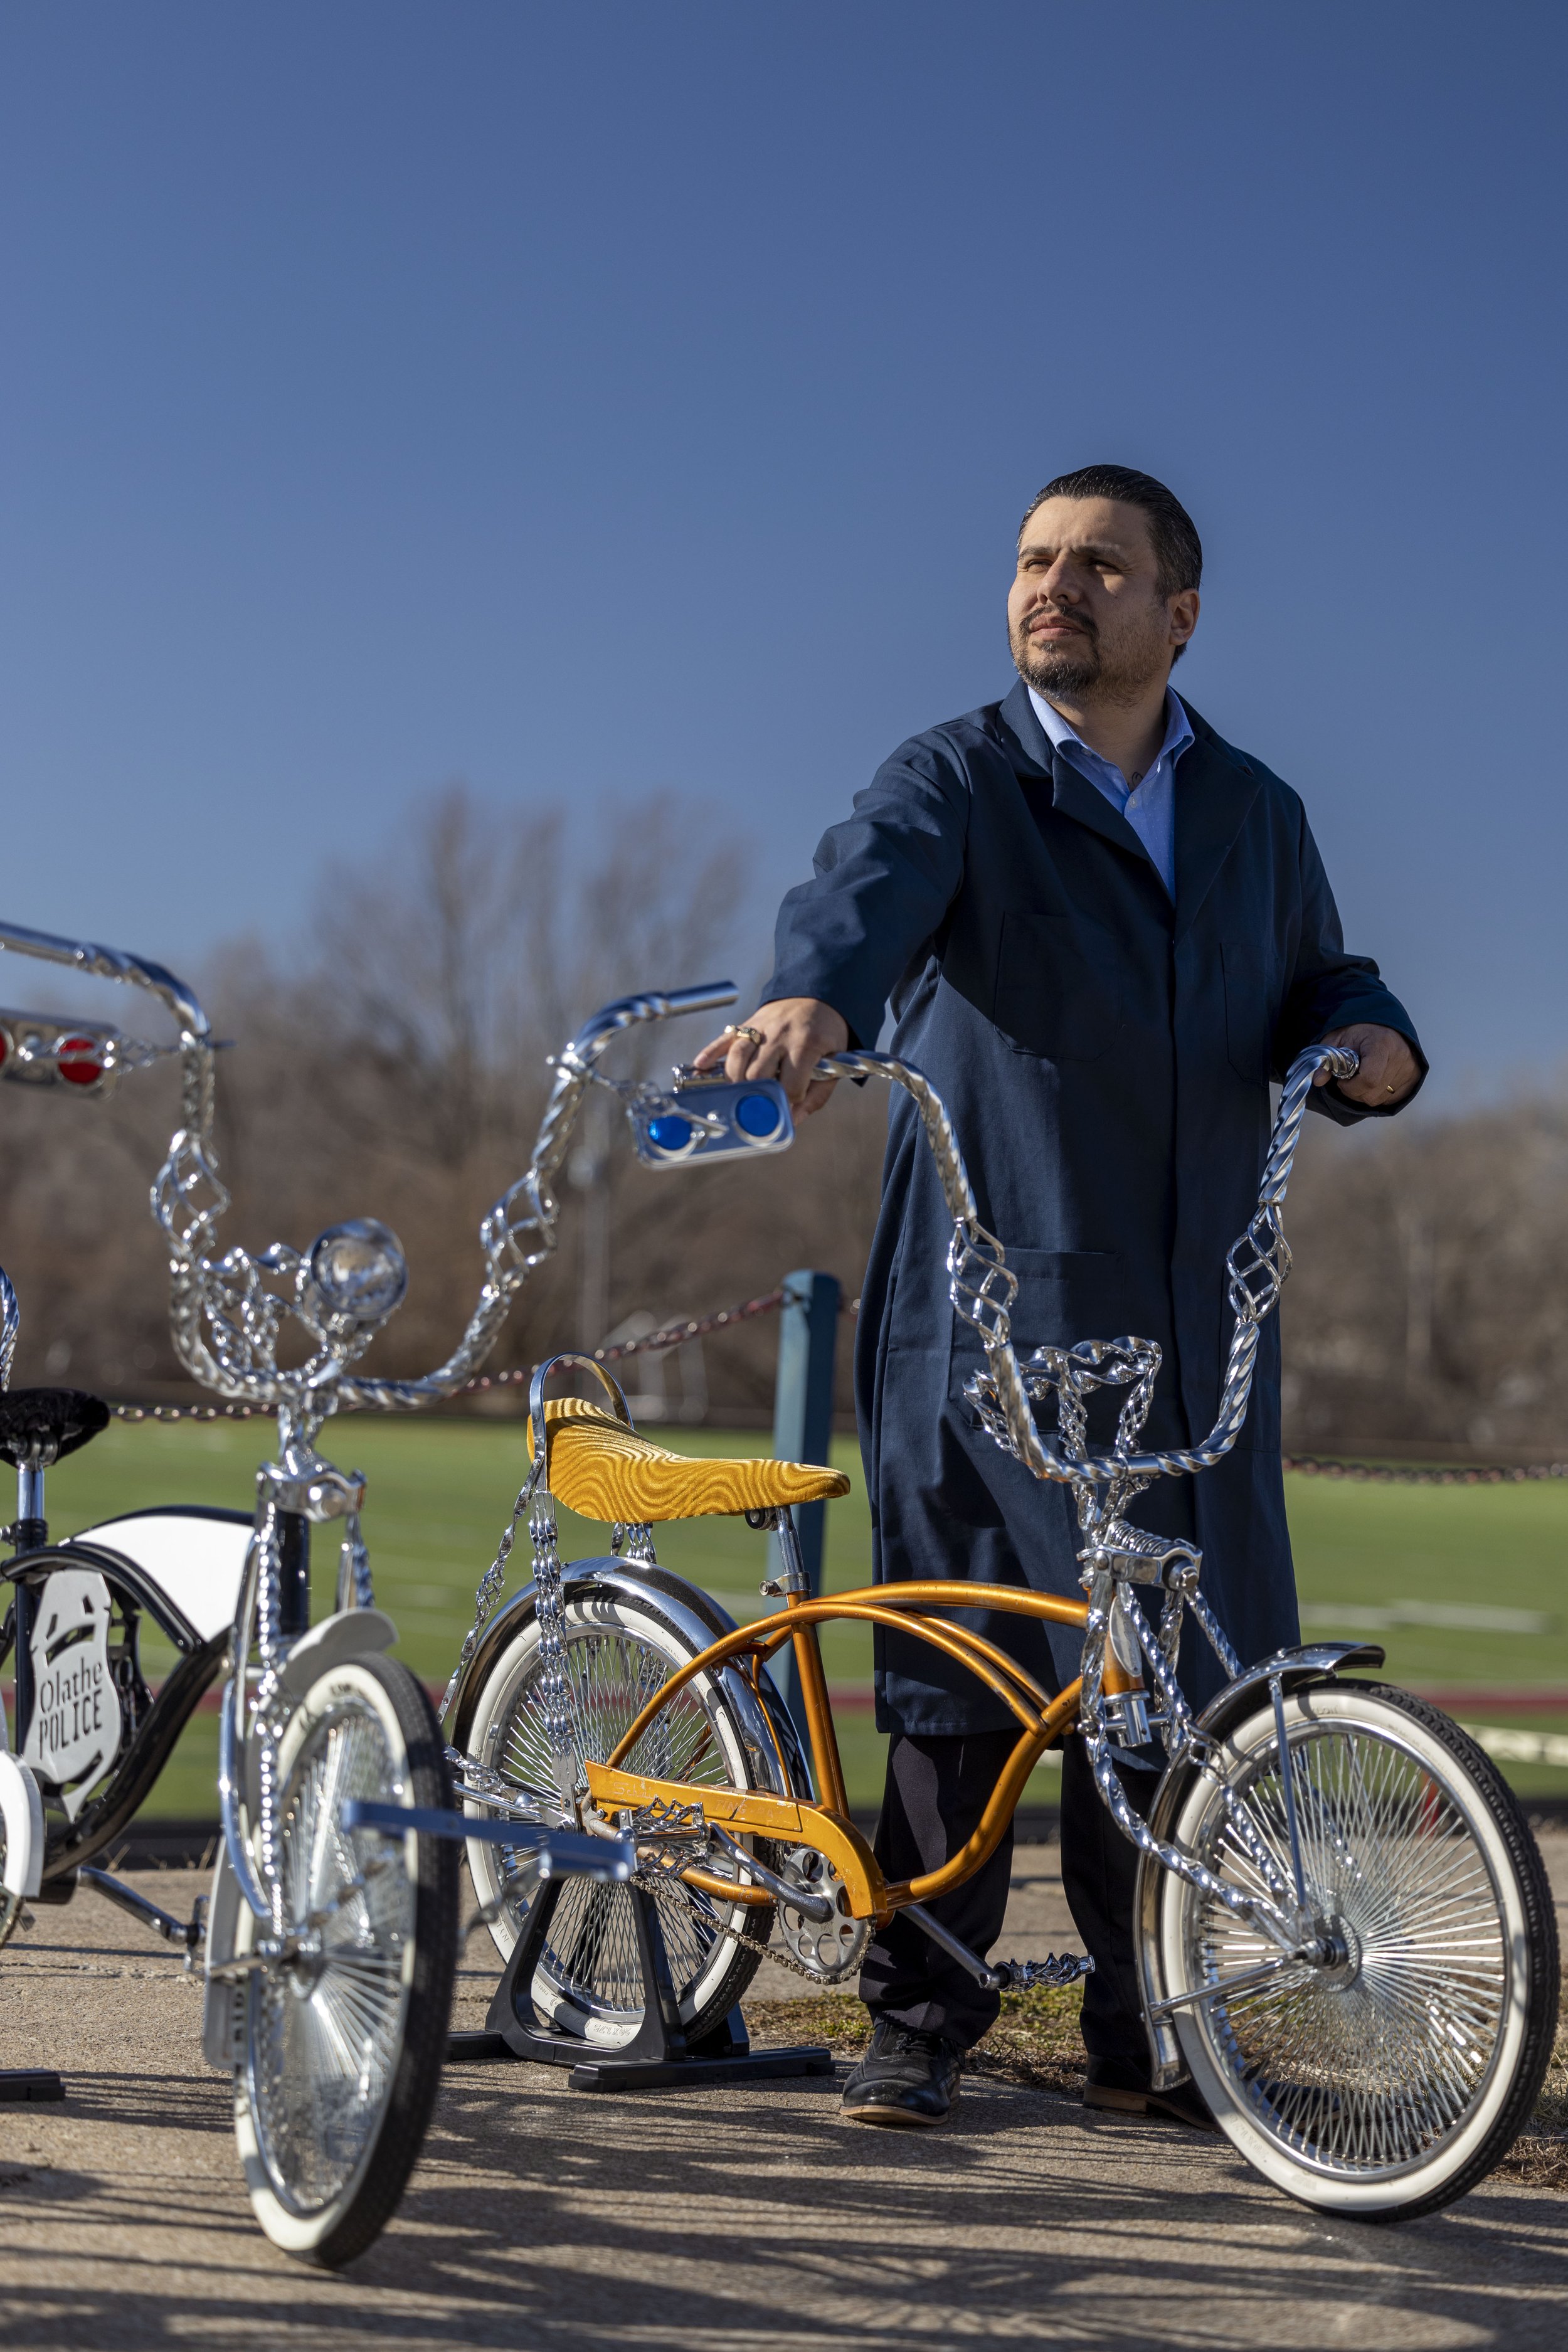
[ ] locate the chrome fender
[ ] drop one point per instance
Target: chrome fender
(222, 2009)
(698, 1620)
(1314, 1661)
(350, 1633)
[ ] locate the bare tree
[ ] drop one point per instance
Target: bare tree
(393, 1064)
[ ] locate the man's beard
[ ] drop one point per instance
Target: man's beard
(1057, 670)
(1081, 669)
(1052, 669)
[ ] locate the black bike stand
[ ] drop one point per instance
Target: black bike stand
(659, 2054)
(30, 2082)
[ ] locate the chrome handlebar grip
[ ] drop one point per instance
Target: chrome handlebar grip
(983, 1288)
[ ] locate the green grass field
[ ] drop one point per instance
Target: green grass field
(440, 1493)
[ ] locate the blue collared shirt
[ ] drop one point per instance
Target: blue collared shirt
(1149, 806)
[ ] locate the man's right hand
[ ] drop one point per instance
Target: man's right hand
(796, 1032)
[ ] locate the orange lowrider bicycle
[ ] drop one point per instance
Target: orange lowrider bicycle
(1345, 1933)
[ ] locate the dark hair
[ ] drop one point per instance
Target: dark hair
(1178, 550)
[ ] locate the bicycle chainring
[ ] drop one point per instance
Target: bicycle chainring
(826, 1950)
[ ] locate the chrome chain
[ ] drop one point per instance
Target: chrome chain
(555, 1688)
(492, 1585)
(268, 1714)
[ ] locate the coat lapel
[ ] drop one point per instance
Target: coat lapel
(1072, 793)
(1215, 790)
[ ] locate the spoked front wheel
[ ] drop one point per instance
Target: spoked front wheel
(1391, 2075)
(344, 2037)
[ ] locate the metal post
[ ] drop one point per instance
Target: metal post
(803, 1420)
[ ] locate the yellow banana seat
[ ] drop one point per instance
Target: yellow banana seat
(603, 1470)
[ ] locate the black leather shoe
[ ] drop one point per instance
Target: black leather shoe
(905, 2078)
(1118, 2087)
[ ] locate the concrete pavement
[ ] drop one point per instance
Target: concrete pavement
(543, 2218)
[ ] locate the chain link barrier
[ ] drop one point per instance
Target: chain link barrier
(672, 1334)
(703, 1327)
(1423, 1474)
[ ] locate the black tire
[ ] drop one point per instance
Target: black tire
(325, 2185)
(1389, 2087)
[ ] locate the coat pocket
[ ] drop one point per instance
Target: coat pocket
(1248, 1014)
(1058, 987)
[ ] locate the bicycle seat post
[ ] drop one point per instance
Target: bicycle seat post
(30, 1531)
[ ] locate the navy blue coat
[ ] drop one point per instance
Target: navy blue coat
(1106, 1058)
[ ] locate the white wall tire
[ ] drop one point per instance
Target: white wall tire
(618, 1649)
(1389, 2087)
(340, 2059)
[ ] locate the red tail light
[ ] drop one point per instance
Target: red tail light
(79, 1061)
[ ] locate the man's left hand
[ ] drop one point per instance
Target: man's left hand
(1388, 1068)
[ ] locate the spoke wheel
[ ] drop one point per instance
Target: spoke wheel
(1391, 2080)
(343, 2043)
(589, 1980)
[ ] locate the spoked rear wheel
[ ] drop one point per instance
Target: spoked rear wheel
(1392, 2079)
(345, 2039)
(589, 1981)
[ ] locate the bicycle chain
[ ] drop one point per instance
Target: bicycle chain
(781, 1956)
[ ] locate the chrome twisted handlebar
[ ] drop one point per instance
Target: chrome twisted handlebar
(519, 1233)
(983, 1288)
(230, 1293)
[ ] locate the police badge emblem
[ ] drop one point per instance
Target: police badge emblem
(78, 1723)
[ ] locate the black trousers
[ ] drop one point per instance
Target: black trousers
(936, 1791)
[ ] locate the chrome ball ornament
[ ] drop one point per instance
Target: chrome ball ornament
(360, 1270)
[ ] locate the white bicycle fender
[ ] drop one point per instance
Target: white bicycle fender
(351, 1633)
(21, 1810)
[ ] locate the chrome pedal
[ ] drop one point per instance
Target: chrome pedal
(659, 1822)
(1026, 1976)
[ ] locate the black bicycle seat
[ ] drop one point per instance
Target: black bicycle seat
(50, 1422)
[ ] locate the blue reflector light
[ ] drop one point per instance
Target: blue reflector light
(671, 1133)
(757, 1115)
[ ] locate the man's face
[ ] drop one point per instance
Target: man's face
(1085, 615)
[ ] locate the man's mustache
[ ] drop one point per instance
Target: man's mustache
(1053, 612)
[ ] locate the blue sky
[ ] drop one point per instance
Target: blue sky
(580, 400)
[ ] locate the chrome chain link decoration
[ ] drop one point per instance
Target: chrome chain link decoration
(554, 1687)
(269, 1716)
(492, 1585)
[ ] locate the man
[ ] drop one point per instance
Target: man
(1102, 930)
